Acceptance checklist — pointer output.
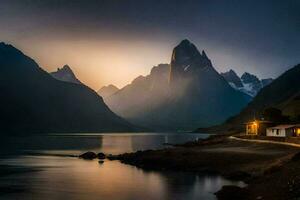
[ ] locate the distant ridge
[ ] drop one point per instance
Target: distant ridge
(247, 83)
(107, 91)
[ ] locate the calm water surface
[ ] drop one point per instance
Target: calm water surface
(50, 176)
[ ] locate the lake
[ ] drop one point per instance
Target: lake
(37, 167)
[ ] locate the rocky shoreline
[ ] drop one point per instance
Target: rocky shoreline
(259, 165)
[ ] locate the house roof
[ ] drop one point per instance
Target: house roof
(284, 126)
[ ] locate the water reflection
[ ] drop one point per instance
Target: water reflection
(71, 178)
(78, 143)
(56, 178)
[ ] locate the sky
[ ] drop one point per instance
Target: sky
(114, 41)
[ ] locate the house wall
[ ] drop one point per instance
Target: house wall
(262, 129)
(276, 132)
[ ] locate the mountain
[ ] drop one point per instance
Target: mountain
(251, 83)
(181, 96)
(233, 79)
(283, 93)
(65, 74)
(143, 96)
(47, 105)
(247, 83)
(265, 82)
(107, 91)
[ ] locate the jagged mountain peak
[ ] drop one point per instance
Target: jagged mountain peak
(185, 42)
(4, 45)
(248, 78)
(66, 67)
(65, 74)
(231, 72)
(184, 51)
(248, 83)
(232, 78)
(187, 62)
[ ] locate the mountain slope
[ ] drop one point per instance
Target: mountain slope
(107, 91)
(44, 104)
(232, 78)
(143, 96)
(182, 96)
(200, 94)
(282, 93)
(65, 74)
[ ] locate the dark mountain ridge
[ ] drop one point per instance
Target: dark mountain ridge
(33, 101)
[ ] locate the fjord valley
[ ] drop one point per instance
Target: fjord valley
(180, 96)
(189, 85)
(151, 100)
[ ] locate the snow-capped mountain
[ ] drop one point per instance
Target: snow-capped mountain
(247, 83)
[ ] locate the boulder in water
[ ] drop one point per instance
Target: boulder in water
(101, 155)
(88, 155)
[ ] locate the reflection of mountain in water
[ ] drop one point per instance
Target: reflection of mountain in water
(76, 144)
(116, 144)
(17, 145)
(140, 142)
(129, 143)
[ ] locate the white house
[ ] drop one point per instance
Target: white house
(287, 130)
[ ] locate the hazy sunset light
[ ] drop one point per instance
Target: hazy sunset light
(106, 49)
(149, 99)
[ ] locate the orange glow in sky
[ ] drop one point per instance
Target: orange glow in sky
(97, 63)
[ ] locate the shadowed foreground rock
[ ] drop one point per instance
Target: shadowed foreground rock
(271, 171)
(101, 155)
(88, 155)
(91, 155)
(229, 192)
